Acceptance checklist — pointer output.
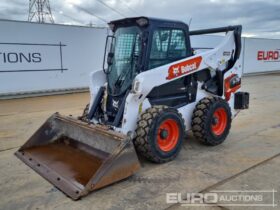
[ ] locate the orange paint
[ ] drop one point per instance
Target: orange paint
(228, 89)
(185, 67)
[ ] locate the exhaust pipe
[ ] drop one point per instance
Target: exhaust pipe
(77, 157)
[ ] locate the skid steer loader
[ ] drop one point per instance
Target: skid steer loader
(153, 87)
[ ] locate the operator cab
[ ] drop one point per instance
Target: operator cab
(140, 44)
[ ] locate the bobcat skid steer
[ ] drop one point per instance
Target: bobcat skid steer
(153, 87)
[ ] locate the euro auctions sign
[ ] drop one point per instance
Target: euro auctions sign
(269, 55)
(31, 57)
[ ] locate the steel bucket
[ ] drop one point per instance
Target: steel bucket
(78, 157)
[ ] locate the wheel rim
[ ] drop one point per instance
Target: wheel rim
(168, 135)
(219, 121)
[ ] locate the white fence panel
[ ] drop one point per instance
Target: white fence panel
(45, 57)
(261, 55)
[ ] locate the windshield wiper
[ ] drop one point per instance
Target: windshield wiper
(119, 82)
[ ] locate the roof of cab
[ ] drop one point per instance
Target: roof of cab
(131, 20)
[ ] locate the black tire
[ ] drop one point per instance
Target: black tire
(205, 122)
(148, 141)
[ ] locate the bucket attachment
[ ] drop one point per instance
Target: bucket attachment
(77, 157)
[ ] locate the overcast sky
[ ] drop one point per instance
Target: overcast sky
(260, 18)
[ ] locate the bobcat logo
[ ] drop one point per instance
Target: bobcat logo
(184, 67)
(115, 103)
(176, 70)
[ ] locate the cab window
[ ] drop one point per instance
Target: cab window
(168, 45)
